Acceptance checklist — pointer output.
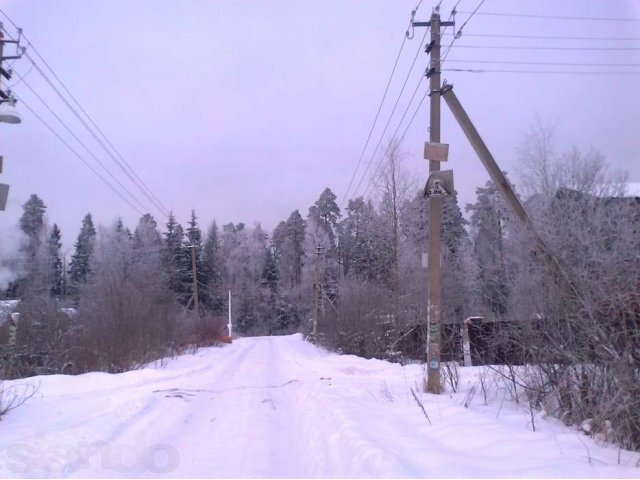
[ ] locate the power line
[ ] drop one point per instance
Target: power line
(122, 163)
(8, 18)
(366, 143)
(570, 64)
(426, 93)
(395, 134)
(551, 37)
(393, 110)
(458, 34)
(384, 96)
(82, 159)
(511, 47)
(558, 17)
(62, 122)
(151, 198)
(469, 18)
(469, 70)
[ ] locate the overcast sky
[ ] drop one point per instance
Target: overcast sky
(247, 110)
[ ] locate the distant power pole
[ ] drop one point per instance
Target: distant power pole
(8, 112)
(438, 184)
(195, 278)
(316, 293)
(230, 325)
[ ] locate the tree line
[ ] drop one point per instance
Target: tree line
(576, 329)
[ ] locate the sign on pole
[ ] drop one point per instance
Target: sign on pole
(438, 152)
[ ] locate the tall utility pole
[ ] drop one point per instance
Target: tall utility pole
(316, 293)
(8, 112)
(434, 190)
(195, 278)
(434, 272)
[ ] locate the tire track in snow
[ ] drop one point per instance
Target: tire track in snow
(134, 412)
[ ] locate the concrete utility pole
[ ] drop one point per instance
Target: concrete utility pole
(436, 187)
(316, 293)
(8, 112)
(434, 272)
(195, 279)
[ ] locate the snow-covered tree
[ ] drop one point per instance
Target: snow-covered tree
(490, 224)
(54, 261)
(32, 224)
(325, 212)
(79, 267)
(176, 260)
(215, 268)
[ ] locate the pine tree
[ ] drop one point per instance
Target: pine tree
(364, 246)
(193, 240)
(490, 224)
(81, 259)
(32, 223)
(288, 241)
(294, 246)
(214, 266)
(324, 215)
(54, 261)
(176, 261)
(277, 313)
(146, 233)
(454, 233)
(326, 212)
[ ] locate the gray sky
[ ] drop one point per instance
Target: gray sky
(247, 110)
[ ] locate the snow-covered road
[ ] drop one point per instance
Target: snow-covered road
(280, 407)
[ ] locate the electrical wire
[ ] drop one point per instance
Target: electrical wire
(511, 47)
(151, 198)
(80, 157)
(415, 58)
(552, 37)
(393, 137)
(558, 17)
(375, 120)
(570, 64)
(17, 82)
(8, 18)
(458, 34)
(122, 163)
(469, 70)
(408, 125)
(66, 127)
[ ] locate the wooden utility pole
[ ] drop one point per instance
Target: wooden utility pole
(195, 279)
(316, 293)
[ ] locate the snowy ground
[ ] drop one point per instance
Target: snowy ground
(279, 407)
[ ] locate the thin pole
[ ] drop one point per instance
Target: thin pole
(229, 325)
(434, 274)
